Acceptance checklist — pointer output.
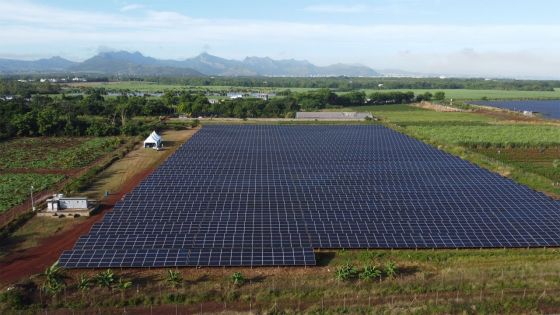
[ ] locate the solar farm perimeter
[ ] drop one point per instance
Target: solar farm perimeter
(270, 195)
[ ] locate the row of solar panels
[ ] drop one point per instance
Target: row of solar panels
(294, 188)
(197, 257)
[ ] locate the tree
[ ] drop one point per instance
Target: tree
(173, 278)
(106, 279)
(237, 278)
(48, 121)
(439, 96)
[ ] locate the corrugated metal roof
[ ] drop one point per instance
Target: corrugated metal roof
(332, 115)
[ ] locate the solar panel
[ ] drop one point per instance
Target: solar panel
(270, 195)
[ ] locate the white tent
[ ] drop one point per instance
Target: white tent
(153, 141)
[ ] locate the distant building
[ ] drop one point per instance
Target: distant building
(59, 203)
(234, 95)
(213, 101)
(262, 96)
(333, 115)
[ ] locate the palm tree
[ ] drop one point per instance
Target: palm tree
(123, 285)
(106, 279)
(54, 279)
(174, 278)
(84, 284)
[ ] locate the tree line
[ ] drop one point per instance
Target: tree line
(96, 114)
(350, 84)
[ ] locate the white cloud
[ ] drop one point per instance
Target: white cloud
(132, 7)
(337, 8)
(26, 26)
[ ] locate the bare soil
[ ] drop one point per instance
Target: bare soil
(19, 265)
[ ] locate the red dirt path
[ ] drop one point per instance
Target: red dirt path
(34, 260)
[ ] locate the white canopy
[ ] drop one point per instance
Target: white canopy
(153, 140)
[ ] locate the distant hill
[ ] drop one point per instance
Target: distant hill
(54, 64)
(127, 63)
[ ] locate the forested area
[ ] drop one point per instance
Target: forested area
(31, 110)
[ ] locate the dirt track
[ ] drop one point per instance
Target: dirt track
(34, 260)
(22, 264)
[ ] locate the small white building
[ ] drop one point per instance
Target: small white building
(333, 115)
(58, 202)
(153, 141)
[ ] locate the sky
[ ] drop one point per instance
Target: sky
(490, 38)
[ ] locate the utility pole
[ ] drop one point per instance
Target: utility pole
(32, 201)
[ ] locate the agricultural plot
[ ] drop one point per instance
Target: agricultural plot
(270, 195)
(518, 135)
(54, 152)
(464, 94)
(15, 188)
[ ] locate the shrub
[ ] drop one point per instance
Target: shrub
(237, 278)
(346, 272)
(391, 269)
(370, 272)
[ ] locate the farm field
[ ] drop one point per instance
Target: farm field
(54, 152)
(464, 94)
(15, 188)
(544, 161)
(457, 94)
(441, 281)
(157, 87)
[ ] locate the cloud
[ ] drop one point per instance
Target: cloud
(432, 47)
(132, 7)
(337, 8)
(471, 62)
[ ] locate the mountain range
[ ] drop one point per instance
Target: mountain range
(136, 64)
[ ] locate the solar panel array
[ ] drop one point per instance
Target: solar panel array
(270, 195)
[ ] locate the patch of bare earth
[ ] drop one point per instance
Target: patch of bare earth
(138, 164)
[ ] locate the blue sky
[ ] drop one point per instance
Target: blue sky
(487, 38)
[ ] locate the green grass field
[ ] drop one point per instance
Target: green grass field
(156, 87)
(458, 94)
(426, 282)
(15, 188)
(461, 94)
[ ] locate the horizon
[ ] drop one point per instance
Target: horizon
(507, 39)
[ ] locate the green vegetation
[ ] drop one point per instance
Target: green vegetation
(54, 153)
(426, 281)
(346, 272)
(344, 83)
(237, 278)
(517, 135)
(475, 94)
(15, 188)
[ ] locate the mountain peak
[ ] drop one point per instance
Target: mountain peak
(135, 63)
